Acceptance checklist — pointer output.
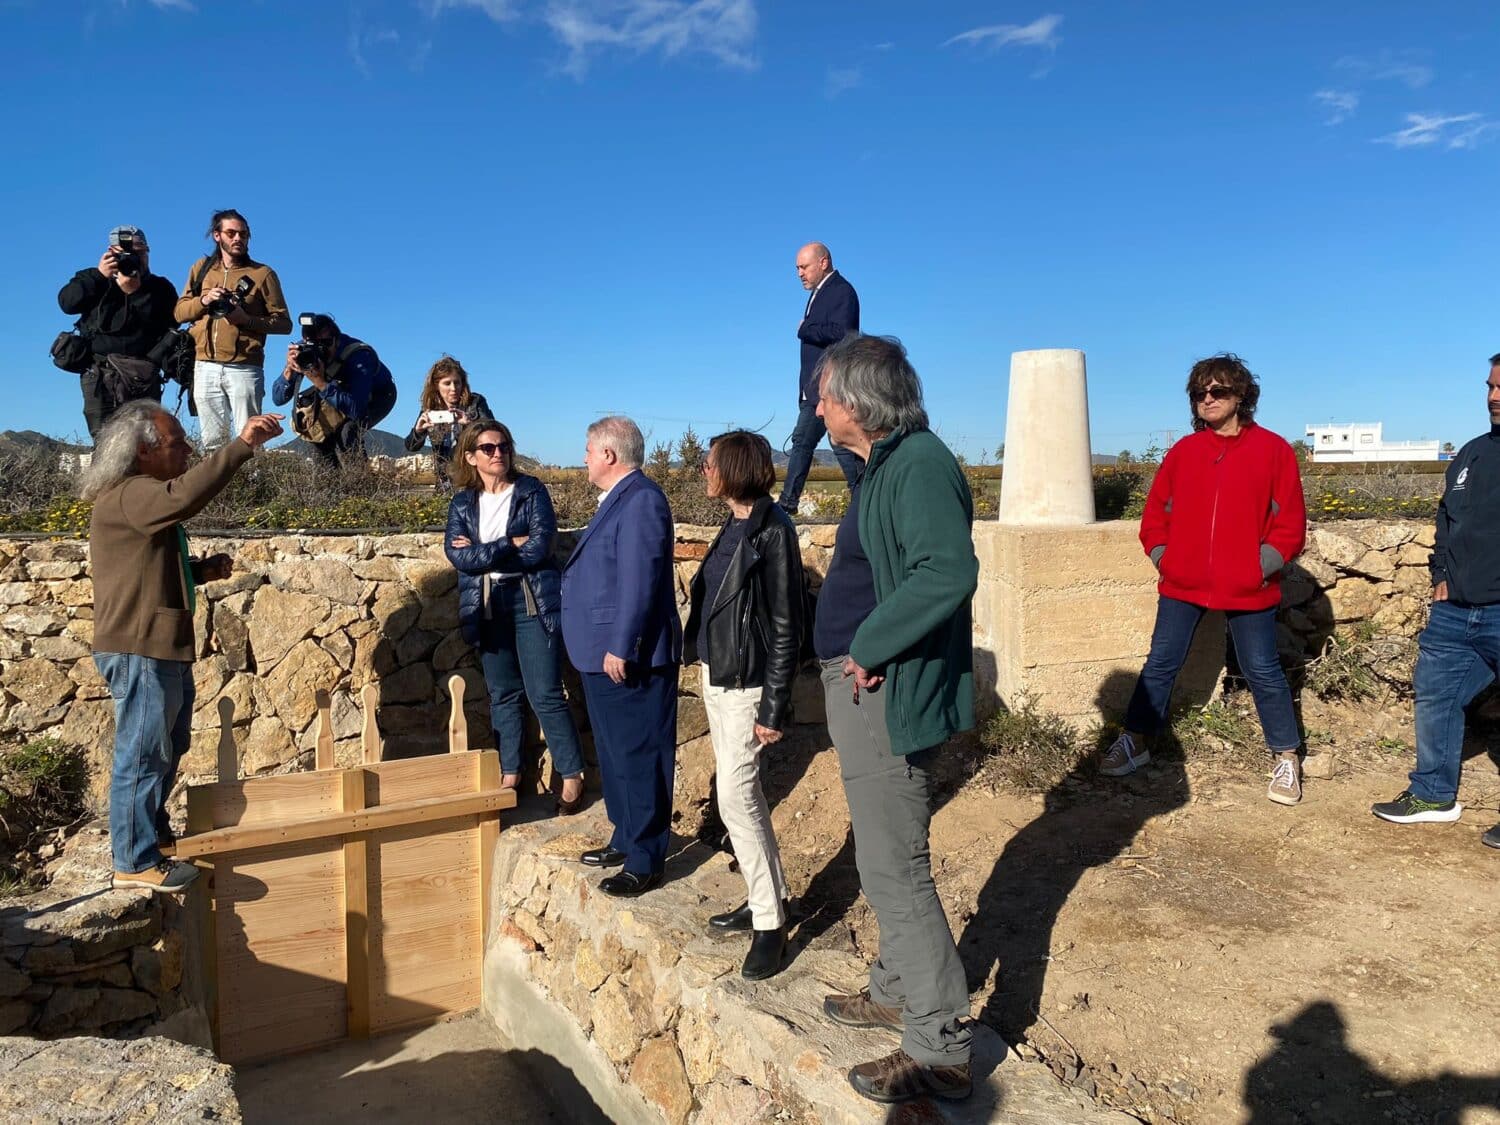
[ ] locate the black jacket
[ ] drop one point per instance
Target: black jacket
(1466, 554)
(532, 515)
(832, 314)
(755, 624)
(116, 322)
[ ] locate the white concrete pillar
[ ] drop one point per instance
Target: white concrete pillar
(1048, 478)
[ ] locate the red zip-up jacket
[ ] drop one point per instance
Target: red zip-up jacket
(1224, 515)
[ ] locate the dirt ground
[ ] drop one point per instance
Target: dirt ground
(1183, 949)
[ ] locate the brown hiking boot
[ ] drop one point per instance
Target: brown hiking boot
(898, 1078)
(860, 1011)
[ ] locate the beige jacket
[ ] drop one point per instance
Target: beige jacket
(218, 340)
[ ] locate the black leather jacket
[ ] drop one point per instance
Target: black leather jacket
(755, 624)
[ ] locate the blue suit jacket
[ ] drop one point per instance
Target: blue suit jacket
(618, 588)
(832, 314)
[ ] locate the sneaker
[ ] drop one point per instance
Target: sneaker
(167, 878)
(1123, 758)
(1491, 839)
(860, 1011)
(1409, 809)
(899, 1078)
(1286, 780)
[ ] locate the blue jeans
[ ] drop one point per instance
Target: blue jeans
(227, 394)
(153, 723)
(521, 659)
(805, 437)
(1254, 633)
(1458, 656)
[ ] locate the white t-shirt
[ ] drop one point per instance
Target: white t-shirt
(494, 515)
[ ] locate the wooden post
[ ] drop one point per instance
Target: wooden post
(369, 735)
(487, 777)
(229, 755)
(205, 901)
(357, 983)
(458, 726)
(324, 755)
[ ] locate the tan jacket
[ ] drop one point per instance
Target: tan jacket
(140, 592)
(220, 341)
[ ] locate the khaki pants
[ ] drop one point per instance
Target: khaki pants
(742, 802)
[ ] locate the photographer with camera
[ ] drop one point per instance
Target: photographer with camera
(124, 311)
(233, 303)
(448, 405)
(351, 390)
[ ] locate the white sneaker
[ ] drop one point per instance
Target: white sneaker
(1123, 758)
(1286, 782)
(169, 877)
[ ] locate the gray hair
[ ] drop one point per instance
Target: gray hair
(619, 433)
(119, 445)
(871, 376)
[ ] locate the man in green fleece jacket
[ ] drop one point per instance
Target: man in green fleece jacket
(144, 595)
(892, 634)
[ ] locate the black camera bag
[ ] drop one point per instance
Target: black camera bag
(71, 351)
(127, 378)
(175, 353)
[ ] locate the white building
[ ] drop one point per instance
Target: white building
(1362, 441)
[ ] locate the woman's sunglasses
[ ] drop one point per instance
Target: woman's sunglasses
(490, 448)
(1218, 394)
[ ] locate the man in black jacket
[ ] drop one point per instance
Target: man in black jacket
(832, 313)
(1459, 650)
(126, 310)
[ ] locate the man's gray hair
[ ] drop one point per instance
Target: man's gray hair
(119, 445)
(619, 433)
(871, 376)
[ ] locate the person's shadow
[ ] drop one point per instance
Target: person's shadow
(1086, 821)
(1313, 1076)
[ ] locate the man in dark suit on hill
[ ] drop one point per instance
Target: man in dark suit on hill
(622, 632)
(832, 313)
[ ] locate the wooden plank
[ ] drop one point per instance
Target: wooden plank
(229, 754)
(369, 734)
(458, 725)
(240, 839)
(487, 776)
(200, 819)
(410, 779)
(323, 758)
(282, 950)
(261, 800)
(356, 914)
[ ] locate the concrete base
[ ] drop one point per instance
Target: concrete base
(1065, 614)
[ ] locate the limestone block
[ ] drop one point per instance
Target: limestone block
(239, 690)
(1404, 615)
(1336, 548)
(395, 609)
(1356, 599)
(292, 684)
(1296, 589)
(55, 571)
(81, 628)
(339, 618)
(430, 578)
(232, 636)
(279, 620)
(341, 648)
(76, 593)
(348, 547)
(1382, 535)
(452, 651)
(440, 613)
(63, 648)
(158, 967)
(1416, 580)
(408, 546)
(117, 1005)
(14, 1015)
(820, 534)
(659, 1075)
(1376, 564)
(56, 550)
(692, 717)
(412, 684)
(374, 657)
(736, 1102)
(325, 578)
(65, 1009)
(27, 719)
(700, 1047)
(240, 582)
(256, 552)
(13, 982)
(209, 675)
(381, 568)
(1413, 554)
(34, 621)
(1426, 535)
(15, 593)
(38, 683)
(616, 1021)
(1319, 570)
(266, 746)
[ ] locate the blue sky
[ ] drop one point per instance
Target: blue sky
(596, 204)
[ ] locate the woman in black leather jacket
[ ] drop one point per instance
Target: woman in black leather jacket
(746, 625)
(501, 527)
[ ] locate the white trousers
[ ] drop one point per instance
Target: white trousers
(742, 802)
(228, 395)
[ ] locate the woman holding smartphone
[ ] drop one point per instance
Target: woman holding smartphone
(448, 405)
(501, 528)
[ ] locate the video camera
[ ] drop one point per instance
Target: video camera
(127, 260)
(309, 351)
(231, 300)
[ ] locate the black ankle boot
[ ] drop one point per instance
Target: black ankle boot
(764, 958)
(732, 921)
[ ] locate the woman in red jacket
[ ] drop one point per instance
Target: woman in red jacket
(1224, 515)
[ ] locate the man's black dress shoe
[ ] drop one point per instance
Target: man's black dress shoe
(732, 921)
(764, 958)
(627, 884)
(602, 857)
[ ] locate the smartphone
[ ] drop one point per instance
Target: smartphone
(440, 417)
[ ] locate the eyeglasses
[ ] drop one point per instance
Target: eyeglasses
(231, 232)
(491, 449)
(1218, 394)
(707, 468)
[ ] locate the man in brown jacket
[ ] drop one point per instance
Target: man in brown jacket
(233, 303)
(144, 597)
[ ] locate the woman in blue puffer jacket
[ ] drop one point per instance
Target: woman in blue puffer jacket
(501, 527)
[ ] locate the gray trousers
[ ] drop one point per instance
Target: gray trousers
(918, 969)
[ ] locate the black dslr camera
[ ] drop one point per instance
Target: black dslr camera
(231, 300)
(127, 261)
(309, 351)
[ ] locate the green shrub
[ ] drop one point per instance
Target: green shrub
(1028, 749)
(43, 788)
(1357, 664)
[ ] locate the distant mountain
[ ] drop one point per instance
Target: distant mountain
(21, 441)
(820, 457)
(378, 443)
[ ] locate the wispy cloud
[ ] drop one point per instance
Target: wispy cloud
(362, 38)
(1425, 130)
(1407, 67)
(722, 29)
(1040, 32)
(1338, 104)
(842, 79)
(498, 10)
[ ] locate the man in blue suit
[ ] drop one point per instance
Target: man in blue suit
(832, 313)
(622, 632)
